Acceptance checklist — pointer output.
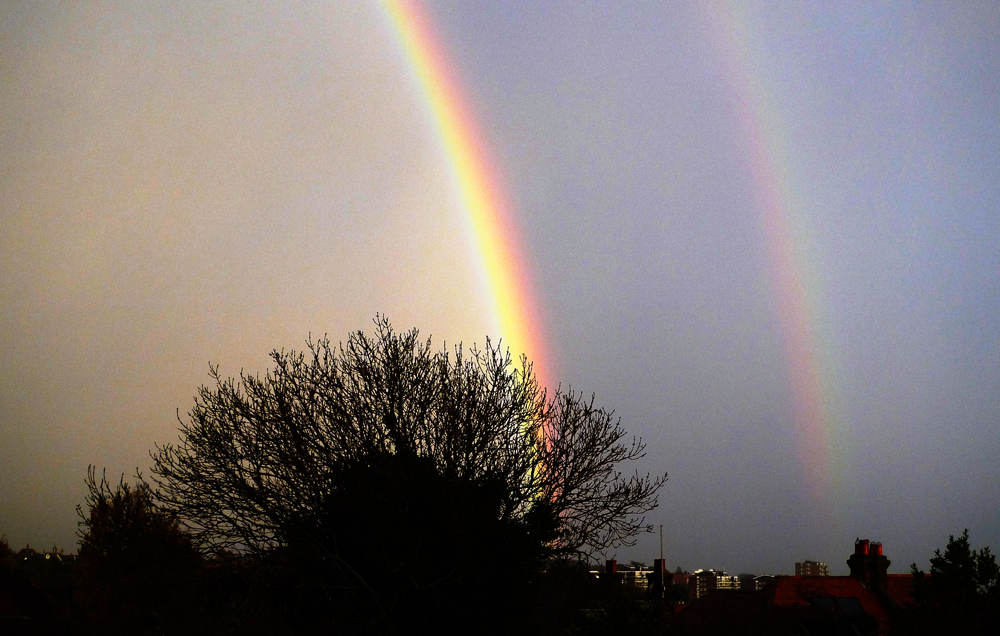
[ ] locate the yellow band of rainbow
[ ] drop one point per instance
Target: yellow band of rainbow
(494, 232)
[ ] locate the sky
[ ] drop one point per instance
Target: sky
(767, 235)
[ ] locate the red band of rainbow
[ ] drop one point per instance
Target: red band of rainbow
(493, 230)
(794, 285)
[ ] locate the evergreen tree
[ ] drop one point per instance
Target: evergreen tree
(962, 593)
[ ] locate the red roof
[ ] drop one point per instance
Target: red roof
(900, 588)
(788, 603)
(798, 590)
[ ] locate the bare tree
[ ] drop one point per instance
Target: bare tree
(382, 451)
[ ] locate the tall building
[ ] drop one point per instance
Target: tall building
(703, 581)
(811, 568)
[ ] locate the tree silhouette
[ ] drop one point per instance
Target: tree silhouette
(962, 593)
(23, 604)
(397, 485)
(136, 573)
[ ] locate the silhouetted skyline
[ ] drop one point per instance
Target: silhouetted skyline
(185, 184)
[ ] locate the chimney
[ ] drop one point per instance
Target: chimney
(869, 565)
(660, 566)
(611, 576)
(659, 580)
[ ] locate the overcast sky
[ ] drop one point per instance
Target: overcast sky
(190, 182)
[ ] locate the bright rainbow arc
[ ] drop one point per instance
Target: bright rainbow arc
(514, 306)
(497, 243)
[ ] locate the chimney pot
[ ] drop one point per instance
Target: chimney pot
(869, 565)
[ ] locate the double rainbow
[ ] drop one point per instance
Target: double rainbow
(794, 283)
(490, 219)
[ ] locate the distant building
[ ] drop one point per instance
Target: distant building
(760, 582)
(703, 581)
(631, 576)
(811, 568)
(869, 601)
(680, 578)
(635, 576)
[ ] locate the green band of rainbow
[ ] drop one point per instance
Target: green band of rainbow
(504, 268)
(794, 284)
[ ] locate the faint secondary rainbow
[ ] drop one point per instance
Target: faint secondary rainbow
(794, 283)
(514, 306)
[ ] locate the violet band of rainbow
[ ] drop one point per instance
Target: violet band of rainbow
(493, 229)
(795, 285)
